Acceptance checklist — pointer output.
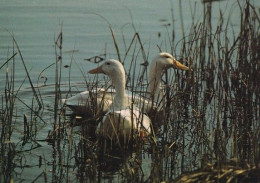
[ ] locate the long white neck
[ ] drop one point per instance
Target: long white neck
(155, 72)
(119, 81)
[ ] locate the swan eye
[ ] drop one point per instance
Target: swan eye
(167, 56)
(108, 63)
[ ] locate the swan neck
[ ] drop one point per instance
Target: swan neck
(119, 84)
(154, 79)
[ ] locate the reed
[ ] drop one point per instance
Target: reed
(209, 127)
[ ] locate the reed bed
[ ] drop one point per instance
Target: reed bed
(208, 131)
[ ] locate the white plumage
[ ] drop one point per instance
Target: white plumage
(122, 121)
(83, 102)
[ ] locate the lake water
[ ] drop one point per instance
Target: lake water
(36, 24)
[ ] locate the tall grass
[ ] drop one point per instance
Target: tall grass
(209, 125)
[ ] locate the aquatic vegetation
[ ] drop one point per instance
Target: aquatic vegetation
(208, 129)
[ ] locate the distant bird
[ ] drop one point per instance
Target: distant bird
(102, 98)
(123, 120)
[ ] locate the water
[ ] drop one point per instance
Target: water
(35, 25)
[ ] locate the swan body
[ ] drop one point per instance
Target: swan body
(122, 120)
(81, 103)
(124, 124)
(89, 101)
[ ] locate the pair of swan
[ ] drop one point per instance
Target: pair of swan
(100, 99)
(122, 120)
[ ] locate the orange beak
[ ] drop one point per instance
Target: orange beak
(178, 65)
(96, 70)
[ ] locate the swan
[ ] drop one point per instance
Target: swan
(83, 102)
(123, 120)
(162, 62)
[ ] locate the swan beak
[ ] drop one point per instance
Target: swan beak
(178, 65)
(96, 70)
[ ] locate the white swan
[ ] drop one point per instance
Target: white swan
(122, 121)
(158, 66)
(83, 102)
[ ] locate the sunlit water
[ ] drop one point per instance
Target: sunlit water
(36, 24)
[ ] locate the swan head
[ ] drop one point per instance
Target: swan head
(110, 67)
(165, 60)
